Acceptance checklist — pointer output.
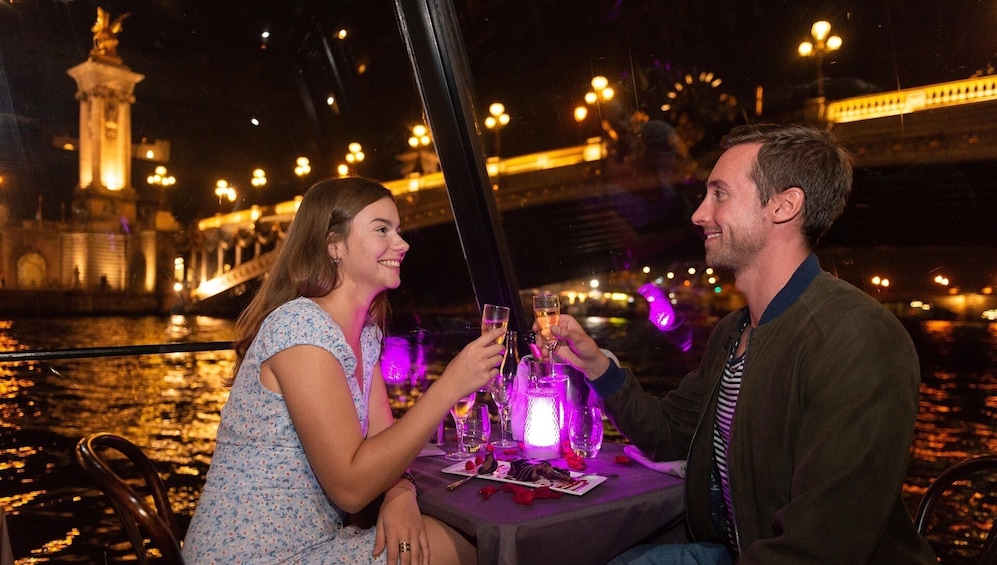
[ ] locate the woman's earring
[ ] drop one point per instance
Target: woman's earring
(335, 260)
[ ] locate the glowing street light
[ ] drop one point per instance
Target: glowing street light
(420, 137)
(224, 191)
(823, 43)
(163, 180)
(881, 282)
(601, 91)
(424, 160)
(302, 167)
(259, 178)
(496, 121)
(354, 157)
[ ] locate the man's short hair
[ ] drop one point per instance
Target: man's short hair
(798, 155)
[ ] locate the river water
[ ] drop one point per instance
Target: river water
(170, 404)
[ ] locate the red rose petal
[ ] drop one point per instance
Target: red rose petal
(546, 492)
(487, 492)
(524, 496)
(622, 460)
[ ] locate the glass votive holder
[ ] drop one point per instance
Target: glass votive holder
(542, 430)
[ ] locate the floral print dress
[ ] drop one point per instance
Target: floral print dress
(262, 503)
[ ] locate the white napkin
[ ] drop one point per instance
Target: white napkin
(430, 450)
(676, 468)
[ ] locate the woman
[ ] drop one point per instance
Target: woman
(307, 434)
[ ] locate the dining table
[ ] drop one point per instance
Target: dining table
(633, 505)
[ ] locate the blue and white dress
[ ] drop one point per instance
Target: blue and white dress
(262, 503)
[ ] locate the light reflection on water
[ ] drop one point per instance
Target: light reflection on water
(170, 404)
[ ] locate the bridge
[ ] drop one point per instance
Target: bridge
(598, 209)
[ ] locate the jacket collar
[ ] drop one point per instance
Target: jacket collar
(801, 279)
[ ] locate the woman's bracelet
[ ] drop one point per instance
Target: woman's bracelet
(406, 476)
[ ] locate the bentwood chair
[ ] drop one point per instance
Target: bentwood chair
(131, 506)
(984, 470)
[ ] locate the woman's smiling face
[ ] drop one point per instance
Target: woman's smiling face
(373, 252)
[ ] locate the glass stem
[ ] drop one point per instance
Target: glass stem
(459, 425)
(503, 422)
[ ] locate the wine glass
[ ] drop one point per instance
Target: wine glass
(547, 309)
(459, 412)
(494, 317)
(502, 389)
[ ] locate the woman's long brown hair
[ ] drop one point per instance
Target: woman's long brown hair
(303, 266)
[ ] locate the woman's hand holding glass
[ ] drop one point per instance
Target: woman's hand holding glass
(472, 369)
(494, 317)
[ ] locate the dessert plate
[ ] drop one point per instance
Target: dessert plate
(579, 484)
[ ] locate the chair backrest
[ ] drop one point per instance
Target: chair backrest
(129, 504)
(985, 465)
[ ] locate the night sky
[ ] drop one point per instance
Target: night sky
(208, 73)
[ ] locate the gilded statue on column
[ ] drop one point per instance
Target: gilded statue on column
(105, 37)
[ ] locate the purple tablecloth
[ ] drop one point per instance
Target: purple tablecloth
(636, 505)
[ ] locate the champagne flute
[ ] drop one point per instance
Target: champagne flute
(459, 412)
(547, 309)
(494, 317)
(502, 388)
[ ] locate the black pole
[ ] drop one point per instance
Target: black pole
(432, 38)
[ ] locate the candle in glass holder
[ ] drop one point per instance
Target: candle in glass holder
(542, 430)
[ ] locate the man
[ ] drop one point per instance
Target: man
(798, 421)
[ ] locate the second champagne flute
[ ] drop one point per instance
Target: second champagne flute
(547, 309)
(502, 389)
(459, 412)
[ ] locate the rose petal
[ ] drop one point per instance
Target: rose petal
(546, 492)
(622, 460)
(524, 496)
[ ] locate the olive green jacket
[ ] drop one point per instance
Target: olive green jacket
(821, 436)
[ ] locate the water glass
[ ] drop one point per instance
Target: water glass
(585, 430)
(477, 428)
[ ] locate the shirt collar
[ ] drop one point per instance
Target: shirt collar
(801, 279)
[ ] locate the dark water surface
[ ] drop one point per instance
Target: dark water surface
(170, 404)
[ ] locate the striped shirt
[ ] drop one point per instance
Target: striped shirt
(730, 386)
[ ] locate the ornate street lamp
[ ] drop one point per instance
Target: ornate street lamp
(224, 192)
(601, 91)
(259, 178)
(823, 43)
(496, 121)
(421, 140)
(302, 167)
(163, 180)
(354, 157)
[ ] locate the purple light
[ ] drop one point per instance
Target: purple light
(660, 311)
(396, 360)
